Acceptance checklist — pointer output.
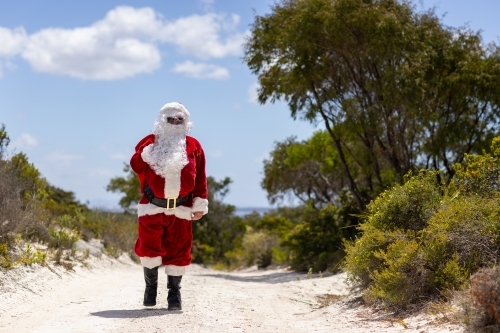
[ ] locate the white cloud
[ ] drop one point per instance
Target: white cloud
(125, 43)
(11, 41)
(26, 141)
(62, 158)
(109, 49)
(201, 70)
(252, 93)
(200, 35)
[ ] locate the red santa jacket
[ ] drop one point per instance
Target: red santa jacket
(192, 180)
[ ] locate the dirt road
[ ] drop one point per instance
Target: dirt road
(108, 298)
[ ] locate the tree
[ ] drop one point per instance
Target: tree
(306, 170)
(402, 88)
(128, 185)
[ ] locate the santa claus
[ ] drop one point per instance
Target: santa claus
(171, 169)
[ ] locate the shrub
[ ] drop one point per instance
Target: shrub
(484, 314)
(398, 280)
(408, 206)
(480, 174)
(316, 242)
(397, 215)
(32, 256)
(400, 264)
(258, 244)
(118, 231)
(464, 231)
(265, 259)
(19, 212)
(64, 232)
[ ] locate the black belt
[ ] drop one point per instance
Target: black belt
(168, 203)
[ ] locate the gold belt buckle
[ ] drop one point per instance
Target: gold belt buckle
(168, 203)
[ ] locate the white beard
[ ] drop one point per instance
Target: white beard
(167, 156)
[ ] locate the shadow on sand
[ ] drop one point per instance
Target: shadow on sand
(136, 313)
(266, 278)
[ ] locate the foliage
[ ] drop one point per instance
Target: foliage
(258, 246)
(406, 207)
(118, 231)
(309, 171)
(64, 231)
(61, 202)
(32, 256)
(316, 242)
(33, 210)
(28, 256)
(395, 88)
(220, 231)
(480, 174)
(21, 210)
(418, 241)
(128, 185)
(33, 185)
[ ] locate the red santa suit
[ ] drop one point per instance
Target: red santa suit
(172, 164)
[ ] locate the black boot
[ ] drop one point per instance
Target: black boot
(151, 278)
(174, 292)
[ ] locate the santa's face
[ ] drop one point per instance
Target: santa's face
(173, 120)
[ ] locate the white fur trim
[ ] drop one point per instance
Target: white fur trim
(175, 270)
(181, 212)
(149, 262)
(200, 205)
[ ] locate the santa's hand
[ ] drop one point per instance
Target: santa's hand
(196, 216)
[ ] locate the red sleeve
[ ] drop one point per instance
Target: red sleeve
(136, 162)
(200, 185)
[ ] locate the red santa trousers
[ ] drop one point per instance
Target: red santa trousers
(164, 239)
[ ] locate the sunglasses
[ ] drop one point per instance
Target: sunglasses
(175, 120)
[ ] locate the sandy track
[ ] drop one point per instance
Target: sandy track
(108, 298)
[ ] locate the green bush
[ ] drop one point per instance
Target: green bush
(408, 206)
(480, 174)
(316, 242)
(396, 215)
(397, 280)
(118, 231)
(32, 256)
(64, 231)
(465, 231)
(417, 242)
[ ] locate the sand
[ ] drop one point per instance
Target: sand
(105, 295)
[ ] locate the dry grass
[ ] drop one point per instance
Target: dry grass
(328, 299)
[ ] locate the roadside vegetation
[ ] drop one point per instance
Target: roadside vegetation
(40, 222)
(399, 187)
(410, 111)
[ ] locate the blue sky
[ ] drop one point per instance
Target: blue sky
(81, 82)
